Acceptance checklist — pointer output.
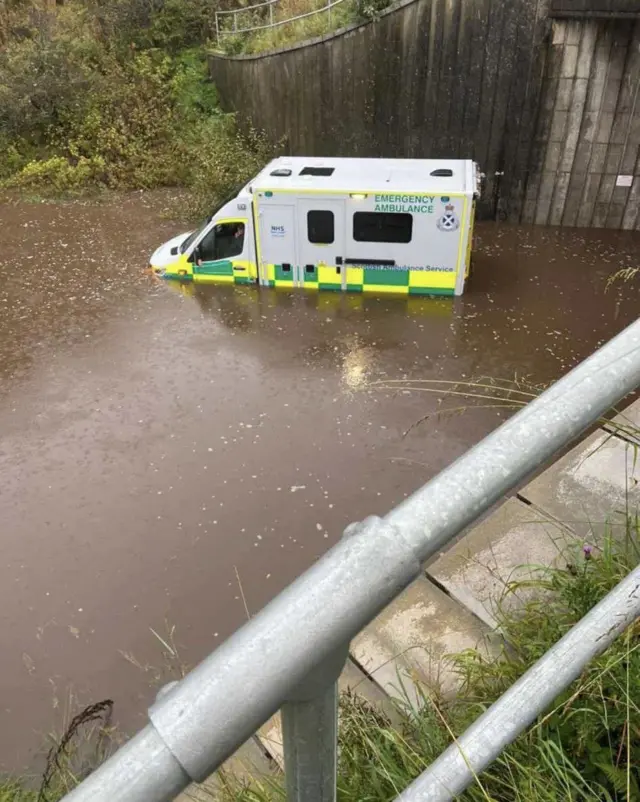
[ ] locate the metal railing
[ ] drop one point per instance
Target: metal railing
(289, 656)
(233, 30)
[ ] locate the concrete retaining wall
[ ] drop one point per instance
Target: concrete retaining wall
(549, 109)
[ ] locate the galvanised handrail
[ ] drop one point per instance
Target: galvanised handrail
(271, 24)
(290, 654)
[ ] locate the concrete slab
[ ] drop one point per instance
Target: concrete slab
(590, 488)
(270, 736)
(627, 423)
(408, 643)
(509, 546)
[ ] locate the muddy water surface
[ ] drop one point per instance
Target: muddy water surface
(161, 448)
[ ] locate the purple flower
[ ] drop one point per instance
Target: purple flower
(587, 549)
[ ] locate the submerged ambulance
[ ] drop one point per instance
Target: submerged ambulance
(362, 225)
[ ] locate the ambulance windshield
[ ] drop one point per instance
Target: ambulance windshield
(195, 234)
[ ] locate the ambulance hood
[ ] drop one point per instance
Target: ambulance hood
(168, 252)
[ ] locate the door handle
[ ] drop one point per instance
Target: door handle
(338, 260)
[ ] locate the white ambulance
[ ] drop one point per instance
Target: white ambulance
(363, 225)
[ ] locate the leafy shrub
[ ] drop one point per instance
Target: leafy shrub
(58, 173)
(107, 93)
(220, 159)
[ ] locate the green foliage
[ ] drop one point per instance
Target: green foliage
(370, 9)
(57, 174)
(115, 94)
(219, 159)
(298, 30)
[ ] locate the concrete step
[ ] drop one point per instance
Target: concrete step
(590, 488)
(509, 546)
(407, 645)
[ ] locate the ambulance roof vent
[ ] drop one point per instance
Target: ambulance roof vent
(318, 171)
(442, 172)
(281, 172)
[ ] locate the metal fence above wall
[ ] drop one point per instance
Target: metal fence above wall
(224, 29)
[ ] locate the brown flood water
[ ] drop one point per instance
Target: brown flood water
(153, 442)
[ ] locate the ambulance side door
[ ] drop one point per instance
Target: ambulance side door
(222, 253)
(321, 242)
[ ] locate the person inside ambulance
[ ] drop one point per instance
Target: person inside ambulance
(224, 241)
(229, 240)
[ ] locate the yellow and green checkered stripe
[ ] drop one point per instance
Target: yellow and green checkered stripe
(224, 272)
(403, 282)
(362, 279)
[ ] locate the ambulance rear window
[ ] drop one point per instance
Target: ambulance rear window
(320, 227)
(382, 227)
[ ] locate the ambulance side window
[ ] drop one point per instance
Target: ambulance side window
(382, 227)
(320, 227)
(224, 241)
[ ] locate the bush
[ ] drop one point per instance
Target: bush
(108, 94)
(221, 159)
(58, 173)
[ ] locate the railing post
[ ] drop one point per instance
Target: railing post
(271, 15)
(235, 21)
(217, 30)
(329, 2)
(310, 733)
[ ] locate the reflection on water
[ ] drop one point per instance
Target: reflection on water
(157, 438)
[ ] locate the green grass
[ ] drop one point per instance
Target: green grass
(586, 748)
(299, 30)
(10, 791)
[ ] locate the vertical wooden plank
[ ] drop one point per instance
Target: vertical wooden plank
(388, 77)
(524, 183)
(613, 118)
(602, 201)
(505, 79)
(570, 102)
(512, 183)
(623, 124)
(630, 163)
(408, 78)
(478, 12)
(432, 72)
(340, 87)
(299, 136)
(446, 70)
(577, 151)
(455, 124)
(497, 14)
(543, 155)
(360, 61)
(325, 123)
(560, 120)
(590, 153)
(421, 77)
(369, 46)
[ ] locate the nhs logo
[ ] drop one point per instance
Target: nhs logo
(277, 231)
